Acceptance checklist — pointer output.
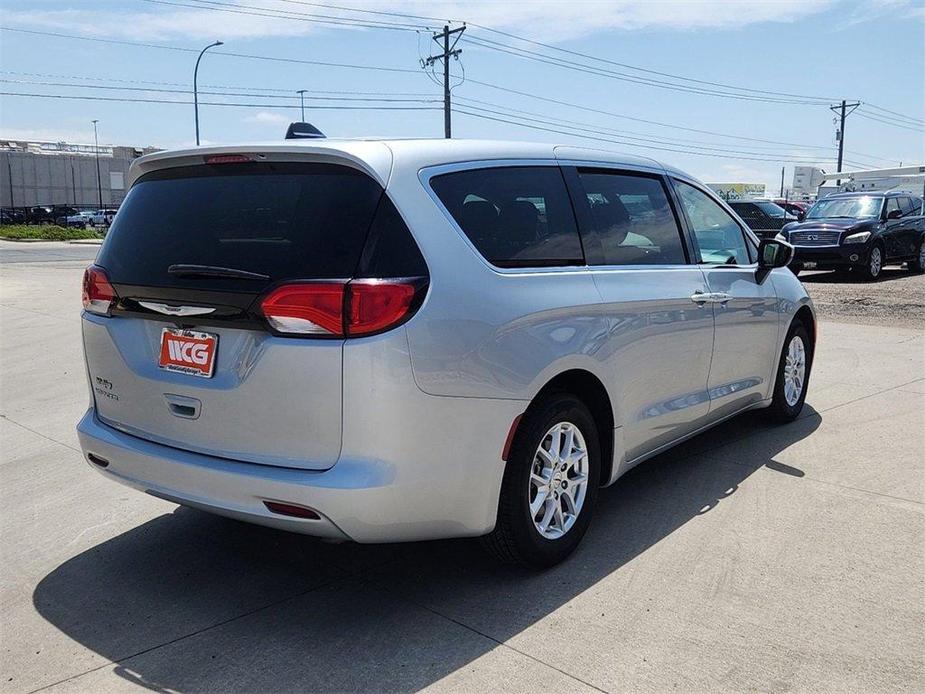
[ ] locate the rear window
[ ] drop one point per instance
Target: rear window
(514, 216)
(283, 220)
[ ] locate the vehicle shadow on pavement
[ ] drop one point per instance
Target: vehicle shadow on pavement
(842, 277)
(193, 602)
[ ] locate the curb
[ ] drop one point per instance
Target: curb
(88, 242)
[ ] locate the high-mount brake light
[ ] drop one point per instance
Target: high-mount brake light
(98, 294)
(228, 159)
(341, 309)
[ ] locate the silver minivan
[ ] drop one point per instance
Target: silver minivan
(404, 340)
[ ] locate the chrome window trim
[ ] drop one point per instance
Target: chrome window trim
(429, 172)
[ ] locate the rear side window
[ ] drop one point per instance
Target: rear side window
(283, 220)
(514, 216)
(630, 219)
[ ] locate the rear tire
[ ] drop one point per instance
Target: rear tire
(917, 265)
(536, 483)
(793, 369)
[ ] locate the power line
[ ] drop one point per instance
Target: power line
(218, 93)
(253, 11)
(641, 137)
(612, 141)
(325, 107)
(896, 124)
(250, 56)
(786, 97)
(208, 86)
(612, 74)
(867, 104)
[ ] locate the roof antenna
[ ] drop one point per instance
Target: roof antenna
(303, 131)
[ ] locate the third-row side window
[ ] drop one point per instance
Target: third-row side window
(518, 216)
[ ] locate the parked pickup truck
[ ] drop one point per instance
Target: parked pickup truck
(860, 232)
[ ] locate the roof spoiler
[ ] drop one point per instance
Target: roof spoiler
(303, 131)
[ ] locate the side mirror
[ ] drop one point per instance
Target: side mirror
(774, 253)
(801, 215)
(895, 214)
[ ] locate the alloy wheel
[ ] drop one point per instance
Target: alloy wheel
(876, 261)
(794, 370)
(558, 480)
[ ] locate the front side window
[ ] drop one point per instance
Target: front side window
(719, 237)
(892, 207)
(515, 216)
(630, 218)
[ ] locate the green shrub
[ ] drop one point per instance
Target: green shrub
(45, 232)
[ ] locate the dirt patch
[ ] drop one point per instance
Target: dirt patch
(897, 299)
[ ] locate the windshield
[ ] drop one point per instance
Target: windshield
(771, 209)
(846, 208)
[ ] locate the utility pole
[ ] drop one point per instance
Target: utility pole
(96, 147)
(782, 181)
(301, 94)
(195, 89)
(841, 129)
(449, 51)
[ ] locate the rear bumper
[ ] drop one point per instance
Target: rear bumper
(363, 497)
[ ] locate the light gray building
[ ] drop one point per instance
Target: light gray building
(59, 173)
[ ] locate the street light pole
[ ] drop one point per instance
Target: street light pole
(301, 94)
(195, 89)
(96, 147)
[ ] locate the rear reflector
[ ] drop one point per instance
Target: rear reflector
(228, 159)
(341, 309)
(292, 510)
(98, 294)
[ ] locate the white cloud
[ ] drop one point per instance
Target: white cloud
(552, 20)
(48, 135)
(268, 118)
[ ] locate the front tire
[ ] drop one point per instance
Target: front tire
(793, 370)
(550, 484)
(874, 267)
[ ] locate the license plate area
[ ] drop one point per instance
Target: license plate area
(188, 351)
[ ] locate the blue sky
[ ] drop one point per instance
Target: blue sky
(822, 49)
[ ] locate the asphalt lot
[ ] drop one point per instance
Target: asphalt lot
(751, 558)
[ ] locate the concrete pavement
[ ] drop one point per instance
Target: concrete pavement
(751, 558)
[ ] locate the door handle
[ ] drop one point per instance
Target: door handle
(721, 298)
(700, 298)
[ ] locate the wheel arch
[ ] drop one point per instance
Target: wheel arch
(808, 319)
(591, 391)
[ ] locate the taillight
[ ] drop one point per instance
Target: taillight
(310, 308)
(374, 305)
(341, 309)
(98, 294)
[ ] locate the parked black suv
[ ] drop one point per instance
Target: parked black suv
(763, 217)
(861, 232)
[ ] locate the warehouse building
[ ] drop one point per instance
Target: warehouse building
(60, 173)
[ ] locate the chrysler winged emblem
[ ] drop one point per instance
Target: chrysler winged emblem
(169, 310)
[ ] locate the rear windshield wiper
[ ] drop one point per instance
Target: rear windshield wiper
(213, 271)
